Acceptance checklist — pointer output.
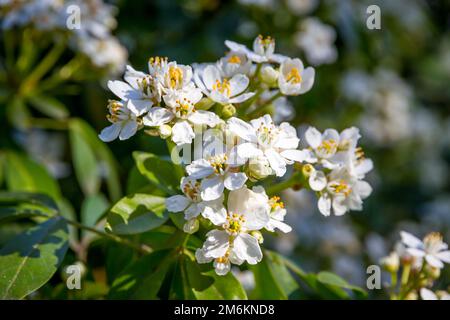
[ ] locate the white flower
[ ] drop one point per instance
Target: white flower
(125, 121)
(107, 52)
(258, 168)
(277, 212)
(175, 77)
(340, 191)
(138, 90)
(333, 150)
(316, 39)
(234, 63)
(263, 50)
(427, 294)
(294, 79)
(262, 137)
(220, 89)
(432, 248)
(247, 211)
(193, 205)
(180, 109)
(218, 170)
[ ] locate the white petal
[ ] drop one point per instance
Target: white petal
(200, 256)
(416, 252)
(110, 133)
(128, 130)
(204, 117)
(182, 133)
(444, 256)
(242, 129)
(234, 180)
(199, 169)
(177, 203)
(123, 90)
(324, 205)
(433, 261)
(280, 225)
(222, 268)
(313, 137)
(276, 161)
(139, 107)
(248, 150)
(238, 84)
(212, 188)
(216, 244)
(308, 79)
(252, 205)
(427, 294)
(157, 116)
(294, 155)
(339, 206)
(247, 248)
(192, 211)
(410, 240)
(210, 75)
(363, 189)
(317, 181)
(241, 98)
(216, 216)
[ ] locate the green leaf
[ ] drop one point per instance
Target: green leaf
(207, 285)
(102, 154)
(18, 113)
(136, 214)
(272, 279)
(49, 106)
(30, 259)
(84, 160)
(23, 174)
(92, 209)
(331, 279)
(143, 279)
(159, 172)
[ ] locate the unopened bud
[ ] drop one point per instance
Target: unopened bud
(269, 76)
(165, 131)
(391, 263)
(228, 111)
(307, 170)
(258, 168)
(258, 235)
(204, 104)
(412, 296)
(432, 272)
(152, 132)
(191, 226)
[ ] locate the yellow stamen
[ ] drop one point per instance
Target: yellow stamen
(223, 87)
(234, 59)
(175, 76)
(275, 203)
(294, 76)
(341, 187)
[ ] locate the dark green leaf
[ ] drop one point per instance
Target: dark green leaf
(49, 106)
(30, 259)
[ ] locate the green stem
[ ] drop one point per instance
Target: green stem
(62, 74)
(267, 103)
(278, 187)
(144, 249)
(393, 285)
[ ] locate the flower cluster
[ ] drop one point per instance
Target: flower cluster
(93, 21)
(421, 262)
(241, 146)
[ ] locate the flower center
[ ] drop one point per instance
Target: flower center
(145, 84)
(340, 187)
(184, 107)
(115, 109)
(234, 59)
(192, 190)
(175, 76)
(294, 76)
(266, 134)
(223, 87)
(432, 240)
(328, 146)
(234, 223)
(218, 163)
(275, 203)
(265, 42)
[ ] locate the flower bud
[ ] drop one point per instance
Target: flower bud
(391, 263)
(165, 131)
(228, 111)
(191, 226)
(258, 235)
(269, 76)
(152, 132)
(412, 296)
(432, 272)
(258, 168)
(204, 104)
(307, 170)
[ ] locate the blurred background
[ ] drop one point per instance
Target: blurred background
(392, 83)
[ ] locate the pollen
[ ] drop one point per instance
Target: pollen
(175, 76)
(275, 203)
(192, 190)
(234, 59)
(432, 239)
(328, 146)
(294, 76)
(234, 223)
(341, 187)
(218, 163)
(265, 41)
(158, 61)
(223, 87)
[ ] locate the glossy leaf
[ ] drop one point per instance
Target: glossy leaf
(137, 213)
(30, 259)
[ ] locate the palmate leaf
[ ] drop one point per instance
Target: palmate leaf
(136, 214)
(30, 259)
